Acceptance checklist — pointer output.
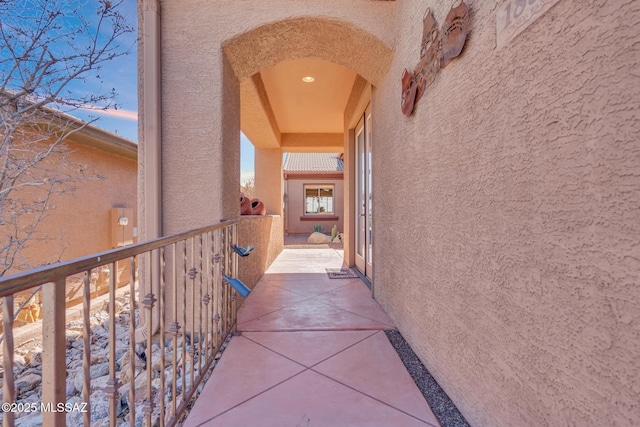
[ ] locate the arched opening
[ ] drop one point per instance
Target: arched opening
(304, 84)
(321, 38)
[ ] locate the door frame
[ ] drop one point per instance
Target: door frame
(363, 177)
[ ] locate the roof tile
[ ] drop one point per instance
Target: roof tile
(313, 162)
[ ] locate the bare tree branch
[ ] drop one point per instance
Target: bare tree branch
(48, 49)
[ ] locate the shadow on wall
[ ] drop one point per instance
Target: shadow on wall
(265, 233)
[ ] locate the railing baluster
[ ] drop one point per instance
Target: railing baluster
(162, 331)
(54, 347)
(111, 390)
(184, 324)
(216, 286)
(234, 268)
(207, 297)
(86, 355)
(8, 383)
(175, 327)
(227, 271)
(209, 256)
(223, 286)
(200, 337)
(148, 302)
(192, 283)
(223, 290)
(132, 343)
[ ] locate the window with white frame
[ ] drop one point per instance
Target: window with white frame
(318, 199)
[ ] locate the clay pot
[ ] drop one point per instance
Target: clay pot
(245, 205)
(257, 207)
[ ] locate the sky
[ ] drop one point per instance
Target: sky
(120, 74)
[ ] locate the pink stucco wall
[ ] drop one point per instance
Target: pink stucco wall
(295, 205)
(78, 222)
(515, 184)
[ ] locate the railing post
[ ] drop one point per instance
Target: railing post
(234, 270)
(111, 389)
(54, 342)
(9, 389)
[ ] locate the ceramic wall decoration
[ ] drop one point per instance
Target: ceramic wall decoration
(438, 48)
(454, 32)
(430, 54)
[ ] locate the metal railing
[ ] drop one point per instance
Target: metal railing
(180, 323)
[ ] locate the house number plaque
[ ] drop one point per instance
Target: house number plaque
(514, 16)
(439, 46)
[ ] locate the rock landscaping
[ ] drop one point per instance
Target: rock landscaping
(28, 371)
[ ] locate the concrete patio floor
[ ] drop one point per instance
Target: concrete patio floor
(312, 352)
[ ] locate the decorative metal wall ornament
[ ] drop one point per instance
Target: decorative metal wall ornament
(454, 32)
(438, 48)
(409, 88)
(430, 54)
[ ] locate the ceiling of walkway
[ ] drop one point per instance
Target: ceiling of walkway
(277, 104)
(302, 107)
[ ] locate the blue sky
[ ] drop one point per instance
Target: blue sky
(121, 74)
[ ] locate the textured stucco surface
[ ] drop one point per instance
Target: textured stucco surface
(268, 179)
(294, 188)
(200, 84)
(506, 208)
(258, 121)
(516, 186)
(78, 222)
(265, 234)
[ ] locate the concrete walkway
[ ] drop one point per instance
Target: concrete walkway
(312, 352)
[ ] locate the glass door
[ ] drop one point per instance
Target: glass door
(363, 175)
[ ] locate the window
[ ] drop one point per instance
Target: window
(318, 199)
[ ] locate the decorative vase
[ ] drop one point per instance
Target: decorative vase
(257, 207)
(245, 205)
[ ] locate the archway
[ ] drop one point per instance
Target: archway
(337, 42)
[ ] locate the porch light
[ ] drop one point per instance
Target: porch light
(308, 79)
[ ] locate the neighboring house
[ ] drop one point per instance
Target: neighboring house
(92, 209)
(499, 223)
(313, 192)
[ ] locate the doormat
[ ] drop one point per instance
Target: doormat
(341, 273)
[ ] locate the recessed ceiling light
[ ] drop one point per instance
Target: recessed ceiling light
(308, 79)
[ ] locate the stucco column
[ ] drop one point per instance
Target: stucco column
(268, 169)
(150, 123)
(150, 149)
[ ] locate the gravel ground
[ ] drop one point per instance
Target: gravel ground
(443, 408)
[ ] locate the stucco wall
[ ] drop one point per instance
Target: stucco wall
(268, 179)
(295, 207)
(516, 186)
(79, 221)
(200, 90)
(265, 234)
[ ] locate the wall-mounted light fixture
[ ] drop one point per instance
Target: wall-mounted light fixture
(122, 230)
(308, 79)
